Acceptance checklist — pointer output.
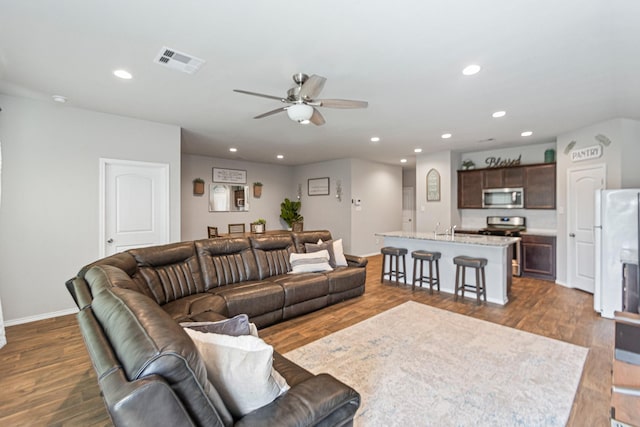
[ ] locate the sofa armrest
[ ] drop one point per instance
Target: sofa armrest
(320, 400)
(146, 402)
(356, 261)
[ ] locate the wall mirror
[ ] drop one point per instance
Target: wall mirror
(228, 198)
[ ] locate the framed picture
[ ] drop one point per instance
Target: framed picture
(433, 186)
(318, 186)
(230, 176)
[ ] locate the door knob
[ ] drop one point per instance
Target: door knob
(110, 241)
(572, 234)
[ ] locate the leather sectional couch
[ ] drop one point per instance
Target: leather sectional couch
(149, 370)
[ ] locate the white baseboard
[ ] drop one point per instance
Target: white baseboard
(43, 316)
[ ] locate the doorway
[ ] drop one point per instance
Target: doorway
(408, 209)
(134, 205)
(581, 186)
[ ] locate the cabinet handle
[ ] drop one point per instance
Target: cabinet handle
(572, 234)
(110, 241)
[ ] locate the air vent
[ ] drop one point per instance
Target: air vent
(180, 61)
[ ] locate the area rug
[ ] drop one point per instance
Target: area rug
(421, 366)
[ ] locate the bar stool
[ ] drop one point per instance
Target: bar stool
(394, 253)
(478, 264)
(423, 256)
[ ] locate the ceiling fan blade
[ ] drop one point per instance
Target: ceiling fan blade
(312, 87)
(342, 103)
(317, 118)
(272, 112)
(246, 92)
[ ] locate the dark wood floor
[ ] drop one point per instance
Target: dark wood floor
(46, 377)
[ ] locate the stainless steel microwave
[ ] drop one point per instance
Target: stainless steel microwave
(503, 198)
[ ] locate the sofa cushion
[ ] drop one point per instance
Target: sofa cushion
(272, 254)
(324, 246)
(236, 326)
(169, 271)
(302, 287)
(226, 261)
(241, 368)
(300, 238)
(192, 305)
(147, 341)
(310, 263)
(252, 298)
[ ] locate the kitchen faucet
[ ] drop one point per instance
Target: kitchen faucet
(435, 230)
(453, 230)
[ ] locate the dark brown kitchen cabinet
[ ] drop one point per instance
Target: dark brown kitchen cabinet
(512, 177)
(540, 186)
(539, 256)
(470, 189)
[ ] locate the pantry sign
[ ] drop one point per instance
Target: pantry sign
(586, 153)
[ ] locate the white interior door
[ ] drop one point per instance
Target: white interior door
(135, 205)
(581, 186)
(408, 209)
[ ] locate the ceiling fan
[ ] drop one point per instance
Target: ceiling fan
(302, 99)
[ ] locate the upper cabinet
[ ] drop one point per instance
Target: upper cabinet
(470, 189)
(540, 186)
(512, 177)
(538, 182)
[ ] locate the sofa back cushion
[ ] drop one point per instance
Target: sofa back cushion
(302, 237)
(225, 261)
(169, 271)
(147, 341)
(272, 254)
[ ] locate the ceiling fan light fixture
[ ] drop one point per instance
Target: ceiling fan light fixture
(300, 113)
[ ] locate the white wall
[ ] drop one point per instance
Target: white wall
(444, 211)
(276, 180)
(49, 212)
(326, 212)
(379, 187)
(631, 153)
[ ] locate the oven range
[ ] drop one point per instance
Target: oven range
(509, 226)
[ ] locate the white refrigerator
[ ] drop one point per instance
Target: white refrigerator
(616, 243)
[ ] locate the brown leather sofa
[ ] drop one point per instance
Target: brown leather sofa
(149, 370)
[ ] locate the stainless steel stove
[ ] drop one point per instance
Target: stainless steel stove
(510, 226)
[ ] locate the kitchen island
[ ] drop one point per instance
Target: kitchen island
(496, 249)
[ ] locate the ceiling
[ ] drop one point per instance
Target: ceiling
(553, 66)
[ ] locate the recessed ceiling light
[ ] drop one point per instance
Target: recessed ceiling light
(471, 70)
(526, 133)
(499, 114)
(123, 74)
(375, 139)
(280, 156)
(233, 150)
(403, 160)
(445, 136)
(417, 150)
(59, 98)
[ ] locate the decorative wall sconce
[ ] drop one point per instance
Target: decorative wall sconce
(299, 191)
(339, 190)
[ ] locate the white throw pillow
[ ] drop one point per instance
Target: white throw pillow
(338, 253)
(309, 263)
(241, 370)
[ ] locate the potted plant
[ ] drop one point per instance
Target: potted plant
(198, 186)
(258, 226)
(290, 212)
(468, 164)
(257, 189)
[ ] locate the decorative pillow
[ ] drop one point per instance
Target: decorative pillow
(309, 263)
(338, 252)
(236, 326)
(241, 370)
(328, 246)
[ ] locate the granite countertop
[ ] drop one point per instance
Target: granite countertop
(472, 239)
